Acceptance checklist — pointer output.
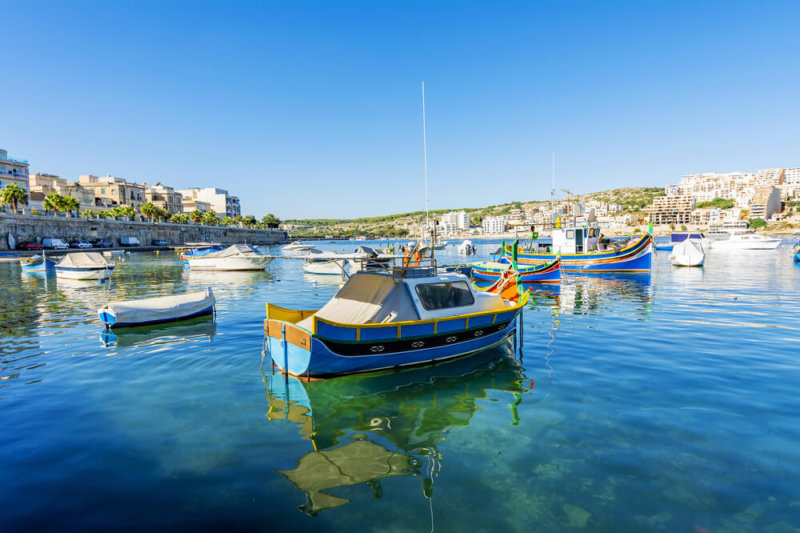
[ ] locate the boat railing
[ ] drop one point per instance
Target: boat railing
(399, 266)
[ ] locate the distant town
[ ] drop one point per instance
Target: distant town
(766, 198)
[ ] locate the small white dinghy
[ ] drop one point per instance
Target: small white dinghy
(84, 265)
(157, 310)
(688, 253)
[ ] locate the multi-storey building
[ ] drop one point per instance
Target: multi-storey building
(222, 203)
(43, 184)
(13, 171)
(454, 221)
(165, 197)
(672, 209)
(791, 182)
(494, 225)
(189, 204)
(766, 202)
(110, 191)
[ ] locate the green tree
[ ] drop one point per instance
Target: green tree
(13, 195)
(89, 213)
(758, 223)
(162, 214)
(226, 221)
(53, 202)
(179, 218)
(70, 204)
(149, 210)
(210, 218)
(196, 216)
(270, 220)
(127, 211)
(683, 227)
(249, 221)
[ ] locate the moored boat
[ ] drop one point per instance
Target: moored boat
(466, 248)
(84, 265)
(378, 320)
(688, 253)
(583, 249)
(528, 273)
(296, 247)
(796, 251)
(157, 310)
(746, 240)
(38, 263)
(326, 266)
(235, 257)
(200, 252)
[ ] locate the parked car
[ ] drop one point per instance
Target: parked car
(80, 243)
(129, 241)
(159, 242)
(28, 245)
(102, 243)
(54, 244)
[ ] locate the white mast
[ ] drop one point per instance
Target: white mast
(553, 191)
(425, 154)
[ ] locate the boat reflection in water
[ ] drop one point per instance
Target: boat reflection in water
(589, 294)
(200, 328)
(365, 428)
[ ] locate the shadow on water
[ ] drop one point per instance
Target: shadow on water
(371, 427)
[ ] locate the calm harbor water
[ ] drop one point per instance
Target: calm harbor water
(638, 403)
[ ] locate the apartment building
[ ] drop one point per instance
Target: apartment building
(43, 184)
(111, 191)
(790, 187)
(766, 202)
(672, 209)
(222, 203)
(494, 225)
(13, 171)
(189, 204)
(165, 197)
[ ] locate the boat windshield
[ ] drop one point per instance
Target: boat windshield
(435, 296)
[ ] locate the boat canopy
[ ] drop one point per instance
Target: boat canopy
(83, 260)
(160, 309)
(368, 298)
(235, 250)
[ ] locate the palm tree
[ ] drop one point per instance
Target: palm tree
(196, 216)
(70, 204)
(226, 221)
(270, 221)
(249, 221)
(89, 213)
(148, 210)
(53, 202)
(179, 218)
(14, 195)
(162, 214)
(127, 211)
(210, 218)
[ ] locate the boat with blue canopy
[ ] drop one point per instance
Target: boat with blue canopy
(392, 317)
(679, 237)
(584, 249)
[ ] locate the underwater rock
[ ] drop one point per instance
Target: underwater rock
(576, 516)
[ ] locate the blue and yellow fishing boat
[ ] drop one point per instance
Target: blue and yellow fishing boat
(796, 251)
(583, 249)
(530, 273)
(37, 263)
(400, 316)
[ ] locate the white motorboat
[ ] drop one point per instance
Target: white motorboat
(297, 247)
(157, 310)
(466, 248)
(688, 253)
(235, 257)
(747, 240)
(324, 264)
(84, 265)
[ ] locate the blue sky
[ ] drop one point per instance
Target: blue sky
(313, 109)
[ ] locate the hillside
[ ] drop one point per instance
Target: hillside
(634, 199)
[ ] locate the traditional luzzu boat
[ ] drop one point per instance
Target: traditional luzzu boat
(583, 249)
(84, 265)
(398, 317)
(796, 251)
(157, 310)
(531, 273)
(37, 263)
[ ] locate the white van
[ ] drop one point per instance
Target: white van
(54, 244)
(129, 241)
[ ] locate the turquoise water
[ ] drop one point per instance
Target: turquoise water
(657, 403)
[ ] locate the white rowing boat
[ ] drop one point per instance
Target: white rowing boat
(157, 310)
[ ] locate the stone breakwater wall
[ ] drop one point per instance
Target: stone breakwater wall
(36, 228)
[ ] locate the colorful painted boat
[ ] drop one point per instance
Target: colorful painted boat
(380, 320)
(37, 263)
(530, 273)
(796, 251)
(157, 310)
(580, 252)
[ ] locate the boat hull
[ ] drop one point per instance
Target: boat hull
(37, 264)
(302, 353)
(325, 267)
(84, 272)
(634, 258)
(543, 273)
(767, 244)
(229, 263)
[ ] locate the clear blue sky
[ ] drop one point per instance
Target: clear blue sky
(313, 109)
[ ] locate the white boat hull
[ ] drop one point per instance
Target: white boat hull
(326, 267)
(688, 253)
(229, 263)
(765, 244)
(84, 272)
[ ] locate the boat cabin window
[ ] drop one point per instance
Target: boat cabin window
(570, 234)
(444, 295)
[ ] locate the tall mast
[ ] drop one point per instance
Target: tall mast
(553, 191)
(425, 154)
